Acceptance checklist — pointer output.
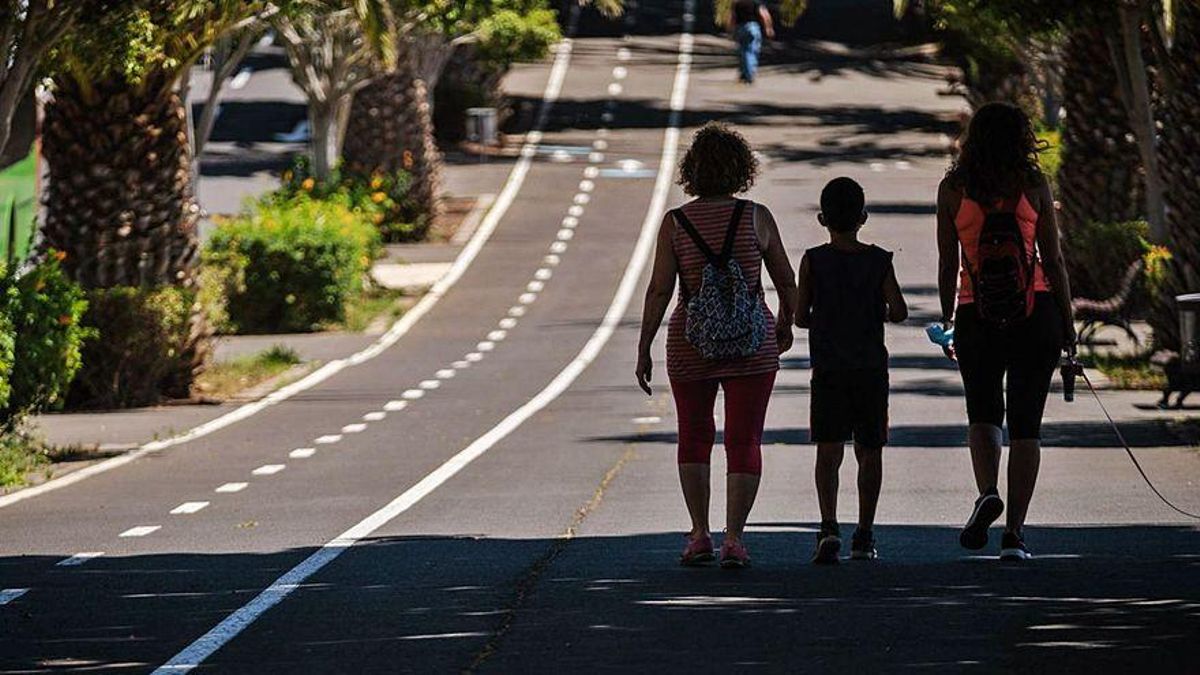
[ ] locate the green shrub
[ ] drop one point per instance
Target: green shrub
(1051, 157)
(45, 309)
(380, 199)
(292, 263)
(1098, 254)
(144, 349)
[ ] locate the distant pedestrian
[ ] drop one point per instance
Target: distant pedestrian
(999, 257)
(722, 335)
(847, 290)
(749, 21)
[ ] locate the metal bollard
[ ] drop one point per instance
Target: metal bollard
(481, 125)
(1189, 332)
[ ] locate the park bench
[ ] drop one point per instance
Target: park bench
(1116, 310)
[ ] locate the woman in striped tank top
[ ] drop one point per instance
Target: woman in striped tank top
(719, 165)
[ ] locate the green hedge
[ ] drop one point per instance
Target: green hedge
(1098, 254)
(43, 310)
(292, 264)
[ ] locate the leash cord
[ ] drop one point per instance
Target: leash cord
(1128, 451)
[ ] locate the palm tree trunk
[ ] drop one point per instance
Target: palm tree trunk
(1180, 162)
(391, 129)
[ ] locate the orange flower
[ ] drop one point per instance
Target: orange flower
(65, 320)
(408, 159)
(308, 184)
(376, 182)
(60, 255)
(378, 197)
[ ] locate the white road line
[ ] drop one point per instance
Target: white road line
(375, 416)
(650, 419)
(188, 508)
(9, 594)
(486, 346)
(269, 469)
(615, 89)
(535, 286)
(543, 274)
(412, 394)
(565, 234)
(551, 259)
(508, 323)
(575, 211)
(140, 531)
(591, 172)
(497, 335)
(79, 559)
(587, 185)
(600, 144)
(619, 72)
(570, 221)
(231, 487)
(395, 406)
(302, 453)
(195, 653)
(596, 157)
(429, 385)
(512, 186)
(516, 310)
(582, 198)
(474, 357)
(461, 364)
(328, 439)
(559, 247)
(526, 298)
(445, 374)
(606, 117)
(355, 428)
(623, 54)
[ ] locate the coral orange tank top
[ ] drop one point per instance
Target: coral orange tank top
(969, 223)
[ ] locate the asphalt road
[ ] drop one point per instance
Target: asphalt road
(496, 495)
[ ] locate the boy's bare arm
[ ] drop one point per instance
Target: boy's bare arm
(897, 308)
(803, 294)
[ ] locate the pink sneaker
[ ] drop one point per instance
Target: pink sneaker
(699, 551)
(734, 555)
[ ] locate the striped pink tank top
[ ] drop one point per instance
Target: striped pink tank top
(684, 363)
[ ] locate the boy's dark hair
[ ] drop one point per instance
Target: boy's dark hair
(842, 204)
(719, 162)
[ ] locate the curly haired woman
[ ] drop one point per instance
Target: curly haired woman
(997, 181)
(719, 165)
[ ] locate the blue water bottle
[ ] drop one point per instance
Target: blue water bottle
(940, 336)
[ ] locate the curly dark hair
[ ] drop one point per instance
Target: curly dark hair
(1000, 155)
(719, 162)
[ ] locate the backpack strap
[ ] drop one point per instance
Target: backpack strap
(739, 207)
(682, 219)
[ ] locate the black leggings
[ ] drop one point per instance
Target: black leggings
(1027, 352)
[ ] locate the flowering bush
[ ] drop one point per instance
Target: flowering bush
(381, 199)
(43, 309)
(292, 263)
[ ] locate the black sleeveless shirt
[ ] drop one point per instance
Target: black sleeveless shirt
(746, 11)
(848, 308)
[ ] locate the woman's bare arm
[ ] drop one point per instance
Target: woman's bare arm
(948, 249)
(767, 22)
(779, 268)
(1050, 248)
(658, 298)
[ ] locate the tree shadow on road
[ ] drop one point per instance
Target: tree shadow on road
(1104, 599)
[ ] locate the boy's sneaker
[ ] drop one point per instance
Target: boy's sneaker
(734, 555)
(987, 509)
(699, 551)
(862, 546)
(829, 543)
(1012, 547)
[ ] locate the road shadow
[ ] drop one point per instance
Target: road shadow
(1097, 599)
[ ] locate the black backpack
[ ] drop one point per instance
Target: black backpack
(1003, 284)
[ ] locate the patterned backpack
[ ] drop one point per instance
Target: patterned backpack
(725, 319)
(1003, 280)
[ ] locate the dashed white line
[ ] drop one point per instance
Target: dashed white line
(231, 487)
(575, 211)
(486, 346)
(602, 132)
(412, 394)
(375, 416)
(543, 274)
(587, 185)
(623, 54)
(461, 364)
(606, 117)
(536, 286)
(302, 453)
(559, 247)
(140, 531)
(269, 469)
(527, 298)
(570, 221)
(591, 172)
(395, 406)
(188, 508)
(619, 72)
(565, 234)
(877, 166)
(228, 629)
(551, 259)
(497, 335)
(328, 439)
(600, 144)
(650, 419)
(516, 310)
(582, 198)
(429, 385)
(79, 558)
(615, 89)
(355, 428)
(474, 357)
(445, 373)
(596, 157)
(7, 595)
(508, 323)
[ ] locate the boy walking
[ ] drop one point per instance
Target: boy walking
(847, 290)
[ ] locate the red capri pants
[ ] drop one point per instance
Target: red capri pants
(746, 400)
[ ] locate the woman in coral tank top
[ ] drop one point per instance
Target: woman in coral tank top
(1004, 286)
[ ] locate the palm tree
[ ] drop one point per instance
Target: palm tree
(120, 201)
(28, 30)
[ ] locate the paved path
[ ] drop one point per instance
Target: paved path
(476, 498)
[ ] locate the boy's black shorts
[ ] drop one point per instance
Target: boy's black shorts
(850, 405)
